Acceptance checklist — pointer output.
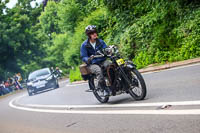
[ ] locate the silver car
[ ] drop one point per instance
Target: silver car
(41, 80)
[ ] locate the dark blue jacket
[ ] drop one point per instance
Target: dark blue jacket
(87, 50)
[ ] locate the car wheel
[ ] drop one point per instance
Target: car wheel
(58, 85)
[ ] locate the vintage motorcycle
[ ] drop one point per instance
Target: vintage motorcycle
(121, 76)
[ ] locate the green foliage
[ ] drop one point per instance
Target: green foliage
(69, 13)
(188, 35)
(72, 55)
(146, 32)
(143, 59)
(160, 31)
(19, 44)
(49, 19)
(75, 74)
(55, 51)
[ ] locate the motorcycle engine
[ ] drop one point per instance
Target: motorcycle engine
(107, 81)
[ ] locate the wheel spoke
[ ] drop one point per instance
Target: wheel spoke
(98, 92)
(138, 87)
(137, 91)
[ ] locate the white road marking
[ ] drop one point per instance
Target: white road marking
(156, 104)
(111, 112)
(68, 85)
(38, 108)
(182, 103)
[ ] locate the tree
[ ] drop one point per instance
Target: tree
(19, 44)
(49, 19)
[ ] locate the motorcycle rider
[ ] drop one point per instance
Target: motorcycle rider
(58, 72)
(89, 48)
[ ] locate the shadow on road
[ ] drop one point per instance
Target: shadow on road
(43, 91)
(123, 100)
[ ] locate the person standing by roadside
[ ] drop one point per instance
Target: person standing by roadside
(3, 88)
(52, 69)
(58, 72)
(17, 83)
(11, 83)
(7, 85)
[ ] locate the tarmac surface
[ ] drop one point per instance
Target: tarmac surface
(172, 105)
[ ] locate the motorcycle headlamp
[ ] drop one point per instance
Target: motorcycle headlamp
(111, 50)
(108, 51)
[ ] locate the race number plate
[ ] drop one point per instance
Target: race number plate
(120, 62)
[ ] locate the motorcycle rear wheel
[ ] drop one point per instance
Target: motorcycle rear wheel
(98, 92)
(138, 89)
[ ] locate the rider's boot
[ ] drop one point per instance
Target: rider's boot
(102, 85)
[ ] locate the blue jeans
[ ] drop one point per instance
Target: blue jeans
(6, 90)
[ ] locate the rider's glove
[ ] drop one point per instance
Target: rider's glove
(90, 59)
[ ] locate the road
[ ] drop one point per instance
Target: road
(70, 109)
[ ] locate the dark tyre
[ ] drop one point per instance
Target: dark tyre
(57, 85)
(98, 92)
(138, 87)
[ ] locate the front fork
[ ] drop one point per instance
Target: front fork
(128, 82)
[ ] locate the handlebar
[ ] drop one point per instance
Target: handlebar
(98, 56)
(109, 52)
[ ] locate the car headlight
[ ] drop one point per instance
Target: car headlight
(49, 78)
(29, 83)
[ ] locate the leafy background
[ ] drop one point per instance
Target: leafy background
(146, 32)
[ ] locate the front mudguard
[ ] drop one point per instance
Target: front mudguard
(130, 65)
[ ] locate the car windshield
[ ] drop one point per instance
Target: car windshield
(38, 73)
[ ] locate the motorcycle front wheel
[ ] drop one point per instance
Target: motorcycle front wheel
(98, 92)
(138, 88)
